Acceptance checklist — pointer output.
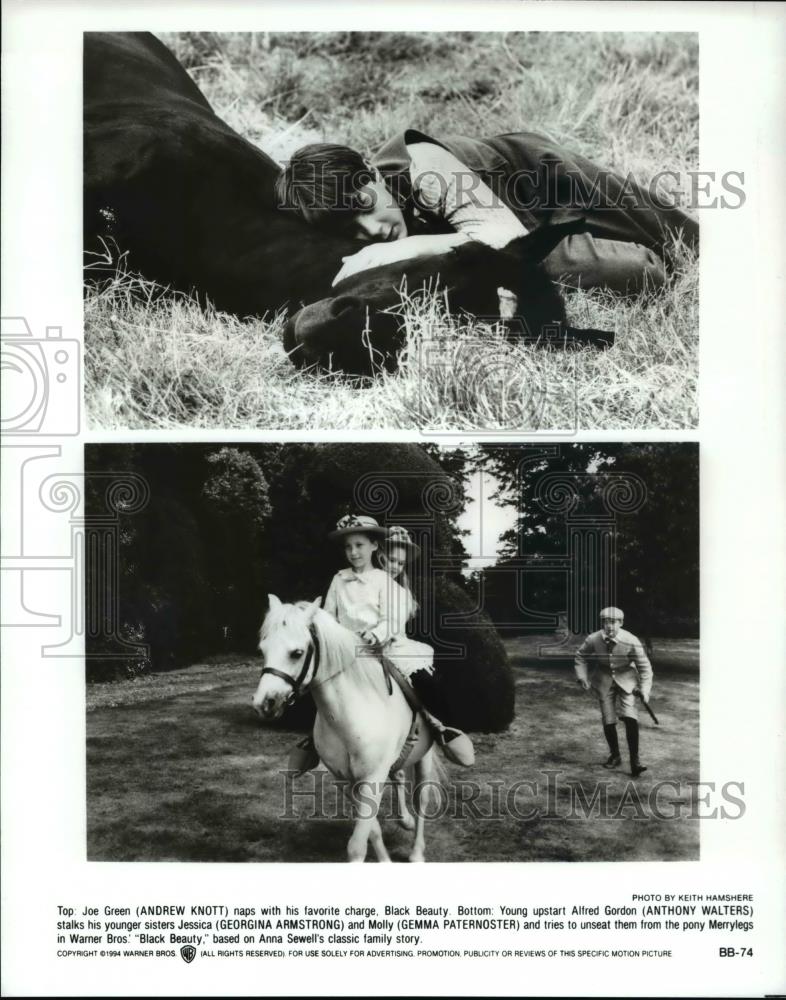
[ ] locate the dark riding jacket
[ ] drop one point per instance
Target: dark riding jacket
(542, 182)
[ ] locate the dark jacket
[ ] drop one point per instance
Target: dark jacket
(542, 182)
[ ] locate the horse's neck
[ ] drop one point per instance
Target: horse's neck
(334, 695)
(338, 690)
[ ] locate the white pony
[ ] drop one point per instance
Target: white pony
(362, 724)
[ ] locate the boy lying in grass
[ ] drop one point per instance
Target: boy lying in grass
(422, 195)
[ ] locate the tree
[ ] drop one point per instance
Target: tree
(189, 562)
(651, 493)
(236, 503)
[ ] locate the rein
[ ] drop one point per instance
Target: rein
(297, 682)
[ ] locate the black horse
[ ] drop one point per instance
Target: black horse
(193, 205)
(351, 330)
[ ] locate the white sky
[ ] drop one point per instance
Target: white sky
(485, 520)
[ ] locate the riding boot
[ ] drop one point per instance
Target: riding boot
(610, 732)
(632, 733)
(454, 743)
(303, 756)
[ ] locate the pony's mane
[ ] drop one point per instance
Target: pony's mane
(337, 645)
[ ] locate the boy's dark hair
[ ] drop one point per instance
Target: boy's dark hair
(321, 183)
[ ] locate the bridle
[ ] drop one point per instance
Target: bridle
(297, 682)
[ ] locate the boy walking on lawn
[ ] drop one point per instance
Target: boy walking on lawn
(422, 195)
(613, 663)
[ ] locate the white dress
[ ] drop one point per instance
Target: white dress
(407, 654)
(373, 602)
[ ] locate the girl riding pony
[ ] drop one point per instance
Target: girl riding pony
(369, 601)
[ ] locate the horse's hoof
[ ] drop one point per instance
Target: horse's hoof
(417, 856)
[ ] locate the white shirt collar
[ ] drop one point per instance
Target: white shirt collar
(349, 573)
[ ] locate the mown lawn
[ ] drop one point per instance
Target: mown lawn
(180, 769)
(630, 101)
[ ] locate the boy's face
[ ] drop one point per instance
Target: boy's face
(382, 220)
(358, 550)
(611, 626)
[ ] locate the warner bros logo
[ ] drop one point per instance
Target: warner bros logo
(188, 952)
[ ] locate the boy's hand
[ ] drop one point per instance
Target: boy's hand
(585, 685)
(374, 255)
(378, 254)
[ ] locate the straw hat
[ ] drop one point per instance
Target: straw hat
(400, 536)
(612, 614)
(352, 524)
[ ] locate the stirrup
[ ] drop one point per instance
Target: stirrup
(456, 746)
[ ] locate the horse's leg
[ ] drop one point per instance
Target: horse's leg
(405, 817)
(375, 836)
(374, 833)
(423, 774)
(366, 821)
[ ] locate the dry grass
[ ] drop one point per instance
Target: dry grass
(629, 101)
